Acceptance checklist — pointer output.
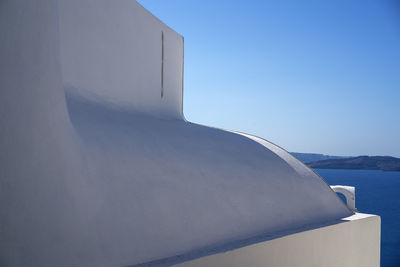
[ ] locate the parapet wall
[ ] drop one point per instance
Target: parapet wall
(350, 242)
(121, 53)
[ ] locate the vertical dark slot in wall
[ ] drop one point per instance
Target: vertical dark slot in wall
(162, 64)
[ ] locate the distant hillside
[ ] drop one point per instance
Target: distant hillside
(311, 157)
(359, 163)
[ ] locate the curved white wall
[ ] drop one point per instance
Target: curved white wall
(92, 170)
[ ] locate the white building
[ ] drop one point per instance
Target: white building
(98, 166)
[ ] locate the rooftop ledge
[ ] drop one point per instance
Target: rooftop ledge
(353, 241)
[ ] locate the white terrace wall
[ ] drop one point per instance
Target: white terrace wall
(352, 242)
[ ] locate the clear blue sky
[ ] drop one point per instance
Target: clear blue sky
(310, 76)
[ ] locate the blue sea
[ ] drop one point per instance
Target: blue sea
(377, 192)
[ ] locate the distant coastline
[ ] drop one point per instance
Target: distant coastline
(320, 161)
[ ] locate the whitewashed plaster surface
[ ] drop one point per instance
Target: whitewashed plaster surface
(97, 169)
(348, 242)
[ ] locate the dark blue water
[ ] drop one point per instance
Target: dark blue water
(377, 192)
